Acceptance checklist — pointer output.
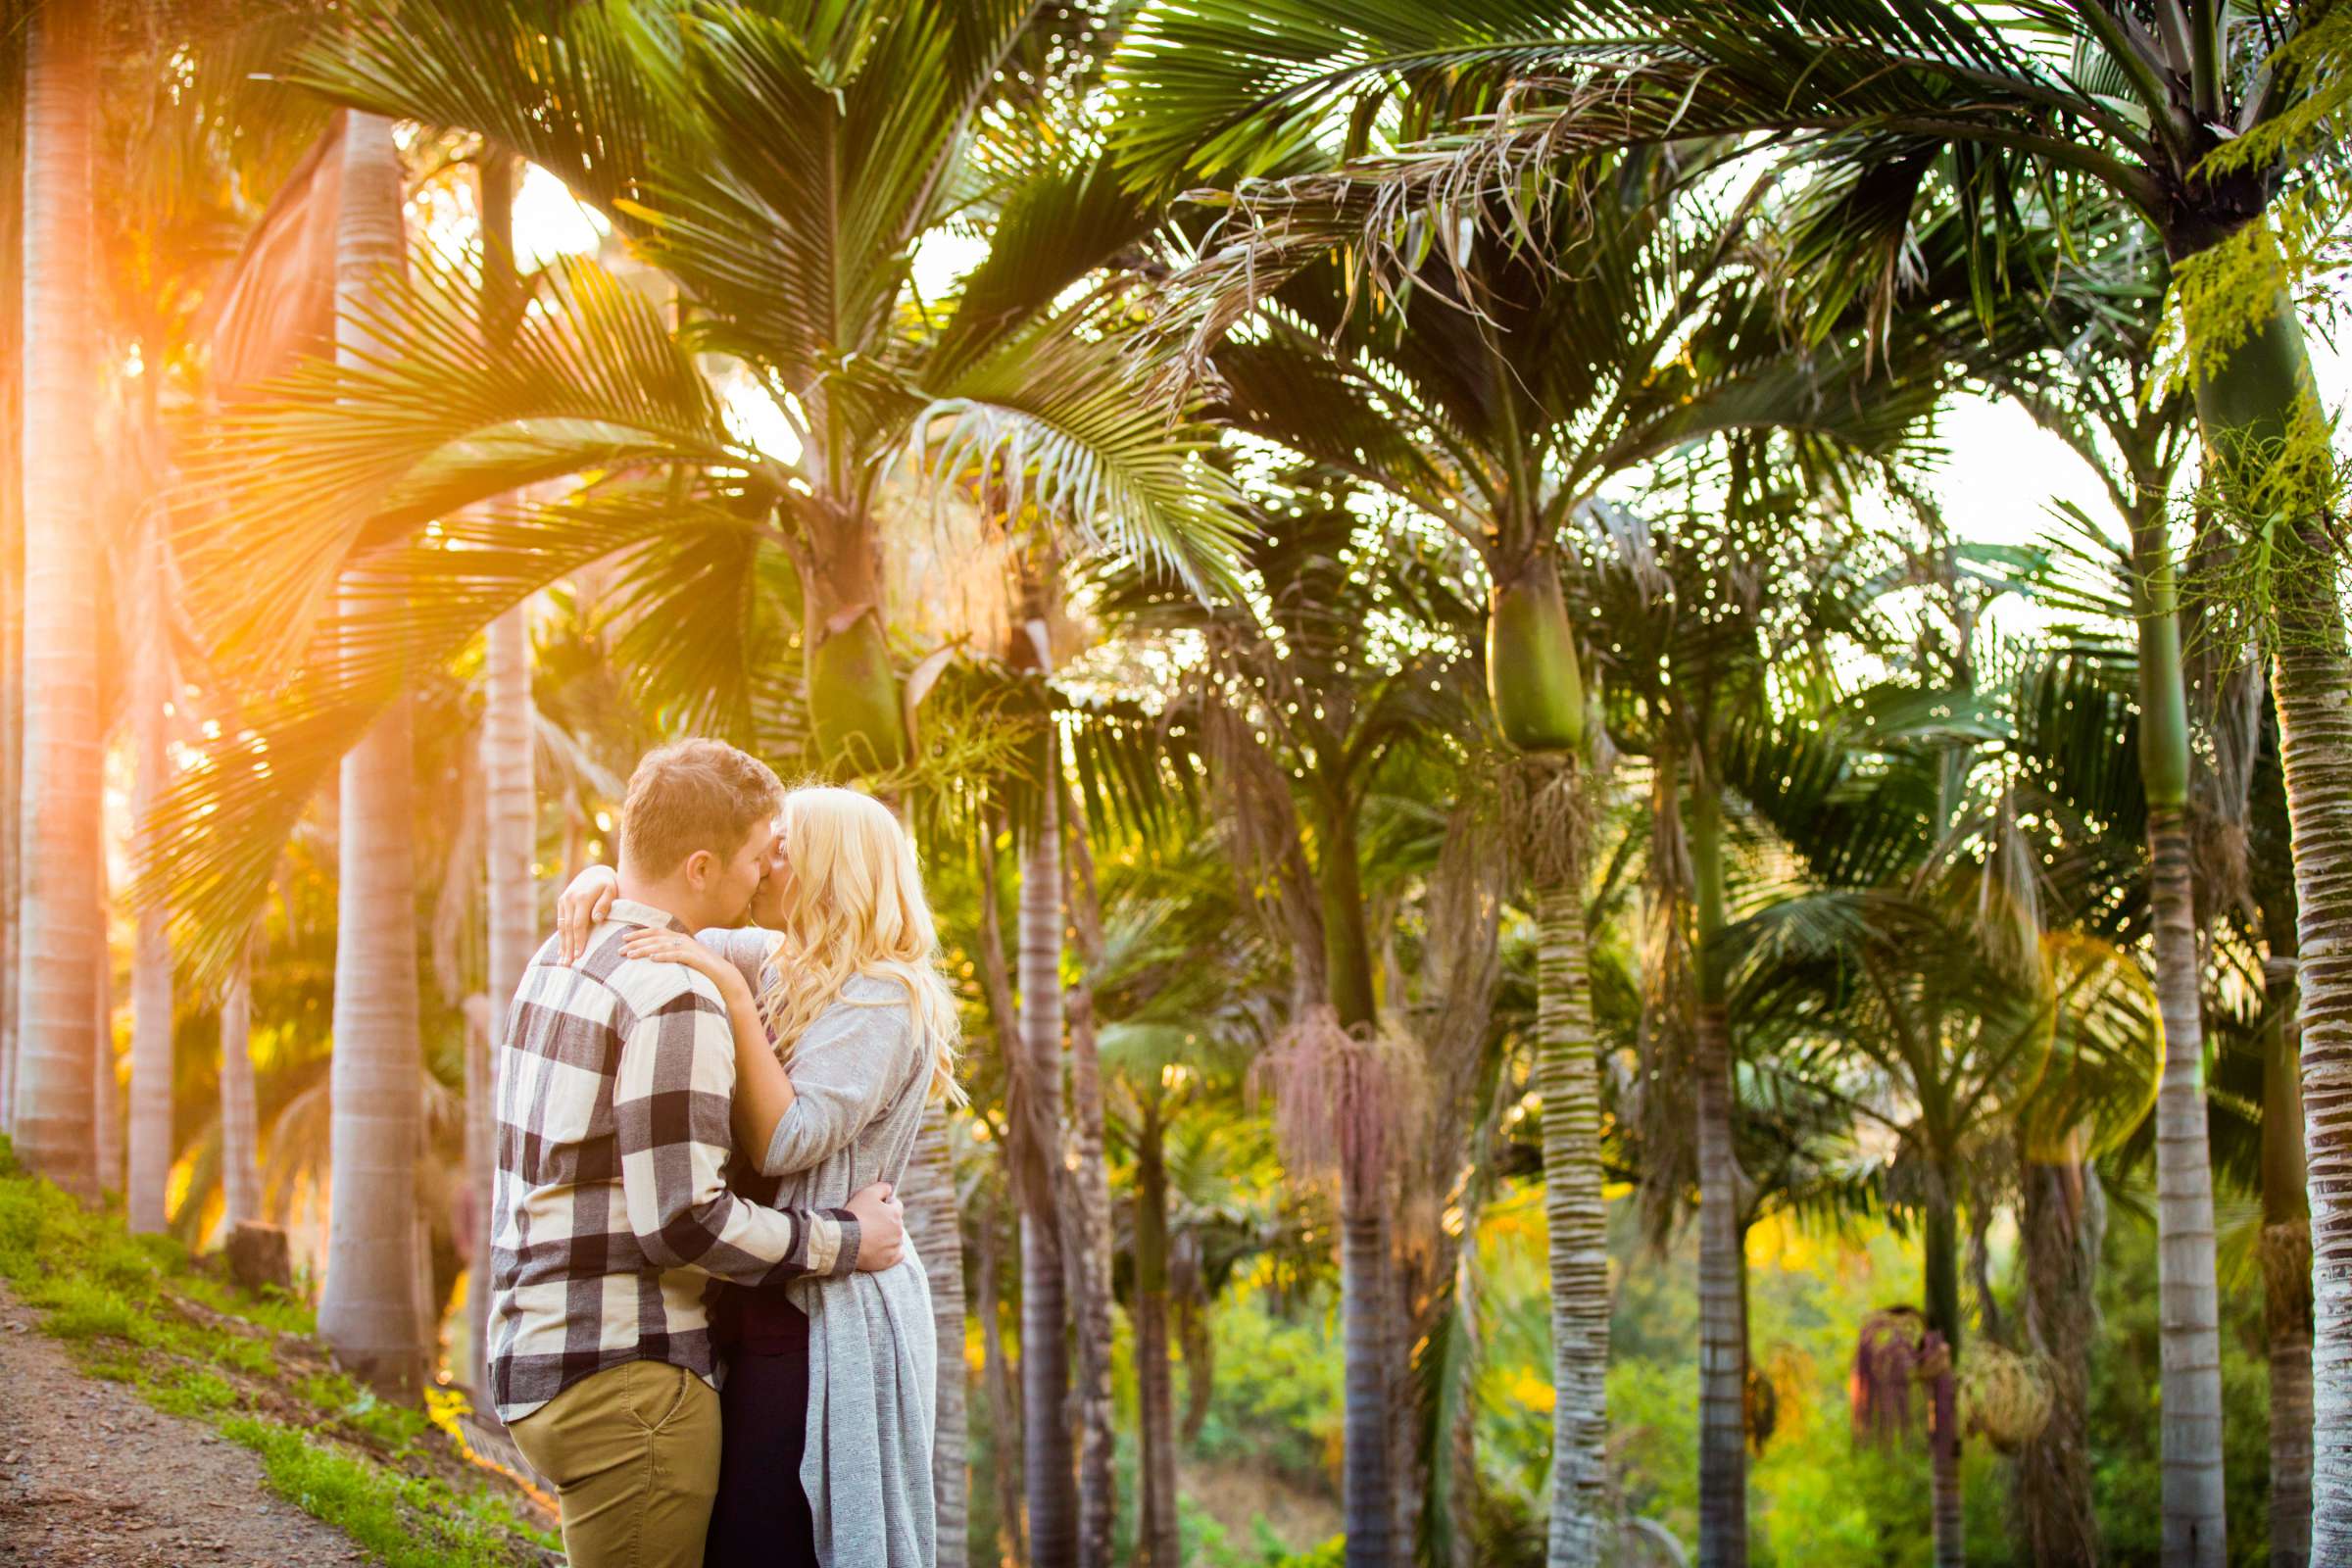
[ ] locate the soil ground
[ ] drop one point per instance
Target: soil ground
(91, 1476)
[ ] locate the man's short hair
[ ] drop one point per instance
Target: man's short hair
(694, 795)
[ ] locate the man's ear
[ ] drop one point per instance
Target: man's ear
(700, 868)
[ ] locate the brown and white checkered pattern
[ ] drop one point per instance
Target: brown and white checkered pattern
(610, 1213)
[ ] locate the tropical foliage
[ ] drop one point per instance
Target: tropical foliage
(1562, 961)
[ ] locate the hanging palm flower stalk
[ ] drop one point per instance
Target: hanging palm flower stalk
(1888, 1355)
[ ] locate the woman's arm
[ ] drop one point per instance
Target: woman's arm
(845, 1069)
(763, 1093)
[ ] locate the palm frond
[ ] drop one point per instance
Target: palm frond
(334, 460)
(1056, 414)
(220, 828)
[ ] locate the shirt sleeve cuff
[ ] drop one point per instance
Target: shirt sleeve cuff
(844, 1256)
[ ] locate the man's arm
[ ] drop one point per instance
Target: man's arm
(670, 1104)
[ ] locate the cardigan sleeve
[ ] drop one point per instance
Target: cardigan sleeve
(844, 1070)
(746, 947)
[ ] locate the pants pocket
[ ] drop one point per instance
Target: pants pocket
(656, 1392)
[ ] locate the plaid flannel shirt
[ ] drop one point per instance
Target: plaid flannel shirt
(610, 1213)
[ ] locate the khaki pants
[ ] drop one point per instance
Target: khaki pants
(633, 1453)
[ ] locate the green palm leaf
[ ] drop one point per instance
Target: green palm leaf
(335, 459)
(1058, 412)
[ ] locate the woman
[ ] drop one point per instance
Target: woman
(844, 1031)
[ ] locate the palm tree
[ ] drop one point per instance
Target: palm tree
(240, 1160)
(11, 556)
(1499, 388)
(1091, 1239)
(151, 1065)
(369, 1309)
(1036, 1117)
(1694, 661)
(1297, 714)
(511, 804)
(61, 943)
(2108, 405)
(2285, 1198)
(2173, 111)
(1173, 977)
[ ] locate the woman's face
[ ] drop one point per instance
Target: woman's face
(774, 892)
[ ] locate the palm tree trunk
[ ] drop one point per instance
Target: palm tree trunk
(2264, 439)
(1942, 1268)
(510, 806)
(12, 778)
(106, 1065)
(12, 559)
(997, 1387)
(510, 810)
(1365, 1346)
(2059, 1525)
(1365, 1271)
(61, 944)
(2190, 1303)
(368, 1311)
(1089, 1213)
(152, 1144)
(1025, 1177)
(1047, 1457)
(936, 1234)
(1722, 1313)
(1157, 1543)
(2286, 1260)
(240, 1162)
(1569, 1078)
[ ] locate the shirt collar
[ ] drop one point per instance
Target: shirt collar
(628, 912)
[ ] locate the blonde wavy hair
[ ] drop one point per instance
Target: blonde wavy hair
(855, 906)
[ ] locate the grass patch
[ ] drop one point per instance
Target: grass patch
(191, 1394)
(401, 1520)
(140, 1310)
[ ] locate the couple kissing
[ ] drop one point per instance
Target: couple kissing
(706, 1330)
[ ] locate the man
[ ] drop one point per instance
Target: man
(611, 1215)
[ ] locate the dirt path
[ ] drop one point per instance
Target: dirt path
(90, 1475)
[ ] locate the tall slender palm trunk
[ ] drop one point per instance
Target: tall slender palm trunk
(510, 810)
(2286, 1261)
(1088, 1212)
(240, 1162)
(1367, 1273)
(105, 1099)
(936, 1235)
(1569, 1078)
(2060, 1240)
(1157, 1543)
(1004, 1406)
(510, 806)
(12, 775)
(1046, 1448)
(1722, 1309)
(2188, 1302)
(12, 559)
(152, 1144)
(1366, 1345)
(368, 1311)
(1940, 1268)
(2265, 440)
(61, 944)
